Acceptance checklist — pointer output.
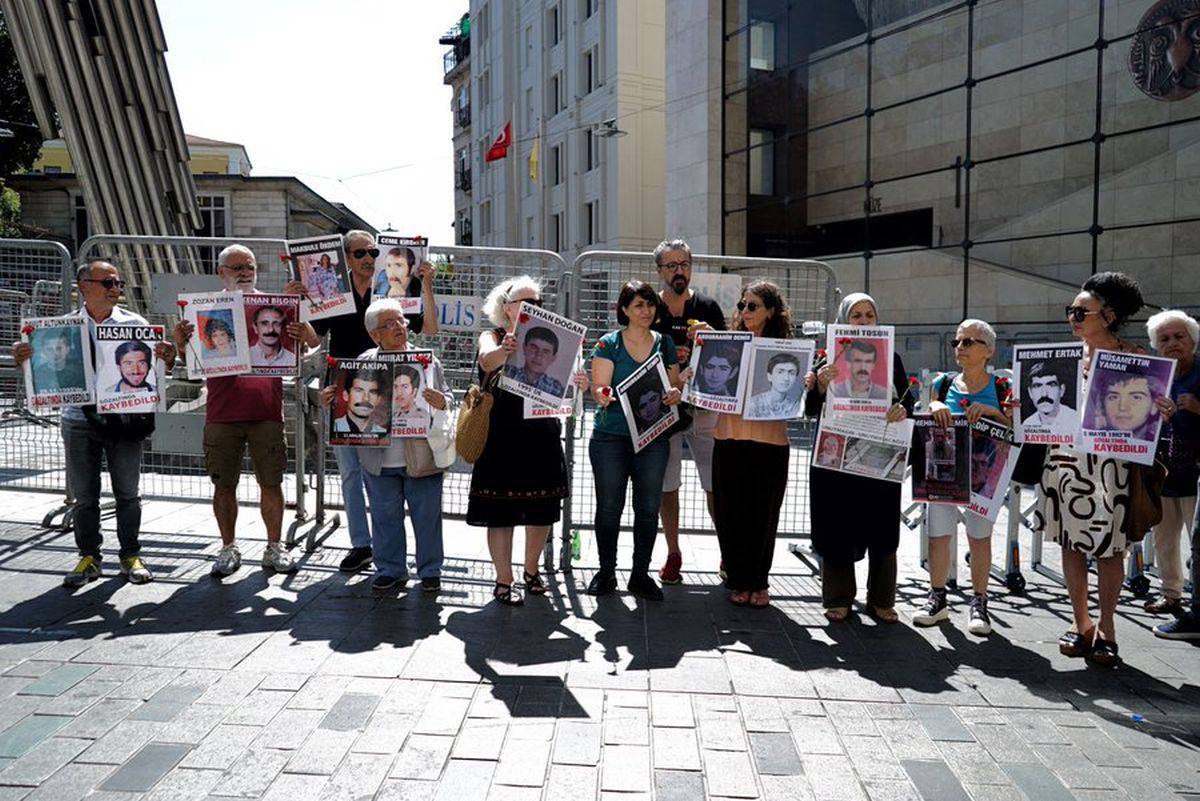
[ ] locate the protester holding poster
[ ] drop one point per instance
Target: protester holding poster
(1085, 498)
(547, 351)
(1175, 335)
(90, 439)
(860, 355)
(272, 348)
(683, 313)
(348, 337)
(1122, 414)
(876, 503)
(616, 459)
(961, 399)
(750, 464)
(243, 412)
(520, 478)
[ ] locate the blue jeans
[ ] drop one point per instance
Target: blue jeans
(388, 492)
(1195, 611)
(352, 495)
(614, 465)
(84, 450)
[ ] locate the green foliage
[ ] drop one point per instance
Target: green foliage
(10, 212)
(21, 150)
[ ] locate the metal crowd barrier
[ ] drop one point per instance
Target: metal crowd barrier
(810, 290)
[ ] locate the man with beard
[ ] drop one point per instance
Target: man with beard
(245, 412)
(540, 350)
(361, 393)
(682, 312)
(1046, 384)
(860, 357)
(347, 339)
(779, 402)
(133, 362)
(268, 322)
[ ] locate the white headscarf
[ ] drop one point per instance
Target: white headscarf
(849, 302)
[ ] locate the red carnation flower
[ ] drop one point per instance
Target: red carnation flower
(913, 381)
(181, 303)
(699, 341)
(332, 362)
(285, 258)
(964, 402)
(600, 345)
(821, 354)
(27, 330)
(424, 360)
(606, 391)
(845, 341)
(524, 318)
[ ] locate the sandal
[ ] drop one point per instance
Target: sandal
(888, 615)
(760, 599)
(836, 614)
(507, 595)
(1104, 653)
(1074, 644)
(739, 597)
(534, 584)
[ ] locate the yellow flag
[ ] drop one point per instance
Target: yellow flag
(533, 159)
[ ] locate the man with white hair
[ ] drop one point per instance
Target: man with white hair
(245, 411)
(1175, 336)
(347, 339)
(89, 437)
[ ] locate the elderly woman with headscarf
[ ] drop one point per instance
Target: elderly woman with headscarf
(855, 516)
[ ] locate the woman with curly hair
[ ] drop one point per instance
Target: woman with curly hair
(750, 466)
(1085, 497)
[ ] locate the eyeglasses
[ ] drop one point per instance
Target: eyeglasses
(391, 324)
(240, 268)
(359, 253)
(107, 283)
(683, 265)
(750, 306)
(966, 342)
(531, 301)
(1078, 314)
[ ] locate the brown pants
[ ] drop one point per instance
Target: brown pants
(839, 587)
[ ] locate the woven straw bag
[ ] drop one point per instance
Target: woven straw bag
(474, 416)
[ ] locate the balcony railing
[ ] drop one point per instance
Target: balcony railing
(462, 116)
(464, 232)
(462, 179)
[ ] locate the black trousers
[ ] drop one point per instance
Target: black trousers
(749, 482)
(839, 586)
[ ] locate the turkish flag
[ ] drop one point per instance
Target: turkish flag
(499, 148)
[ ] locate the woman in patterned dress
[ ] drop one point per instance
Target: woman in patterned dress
(1085, 496)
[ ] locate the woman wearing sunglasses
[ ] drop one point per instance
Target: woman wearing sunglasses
(875, 504)
(1084, 497)
(617, 356)
(520, 478)
(974, 393)
(750, 466)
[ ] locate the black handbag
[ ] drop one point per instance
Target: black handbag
(123, 427)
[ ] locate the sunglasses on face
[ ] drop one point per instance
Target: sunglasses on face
(107, 283)
(750, 306)
(966, 342)
(1078, 314)
(360, 253)
(531, 301)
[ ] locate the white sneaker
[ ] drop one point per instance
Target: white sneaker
(934, 610)
(979, 622)
(229, 559)
(278, 559)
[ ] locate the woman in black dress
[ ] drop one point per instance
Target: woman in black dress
(854, 516)
(521, 477)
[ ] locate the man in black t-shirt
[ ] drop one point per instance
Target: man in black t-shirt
(683, 312)
(348, 337)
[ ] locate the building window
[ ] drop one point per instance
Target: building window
(589, 137)
(554, 25)
(555, 94)
(485, 88)
(527, 56)
(762, 45)
(530, 234)
(556, 165)
(589, 71)
(529, 108)
(590, 7)
(79, 219)
(214, 216)
(556, 232)
(591, 222)
(762, 162)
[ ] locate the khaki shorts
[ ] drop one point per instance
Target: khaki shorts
(225, 443)
(699, 439)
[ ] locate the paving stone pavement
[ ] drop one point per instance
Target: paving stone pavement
(310, 687)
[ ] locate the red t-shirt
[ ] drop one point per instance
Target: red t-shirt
(244, 399)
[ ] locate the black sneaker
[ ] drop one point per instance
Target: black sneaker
(934, 610)
(602, 584)
(979, 622)
(383, 582)
(356, 560)
(431, 584)
(642, 586)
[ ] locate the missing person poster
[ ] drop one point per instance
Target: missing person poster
(642, 400)
(718, 381)
(941, 458)
(994, 452)
(360, 414)
(397, 269)
(862, 356)
(319, 262)
(547, 349)
(60, 371)
(218, 346)
(1121, 416)
(1050, 380)
(534, 410)
(411, 371)
(129, 376)
(777, 370)
(273, 352)
(863, 445)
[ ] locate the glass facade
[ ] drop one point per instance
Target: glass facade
(979, 157)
